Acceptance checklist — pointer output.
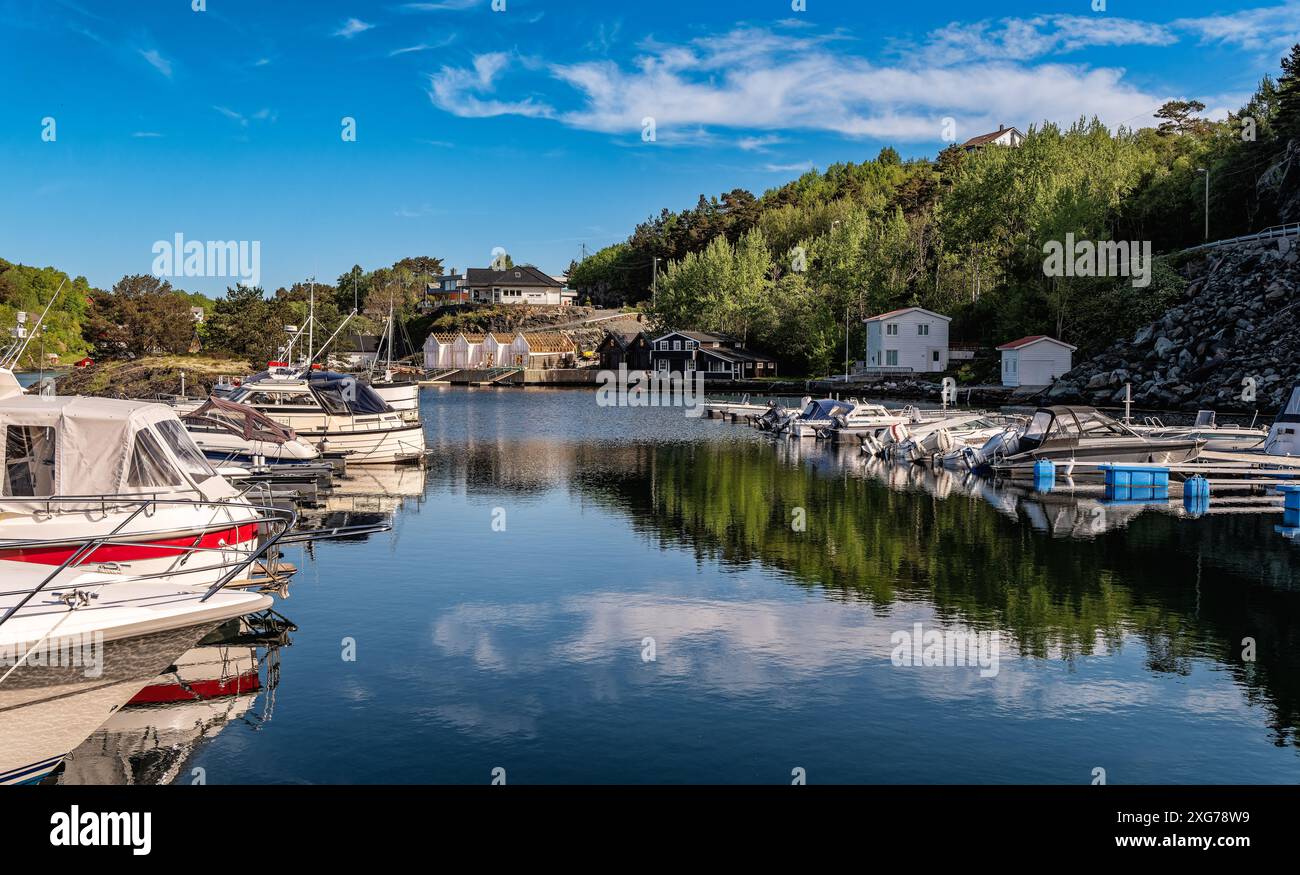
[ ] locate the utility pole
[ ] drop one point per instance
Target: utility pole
(846, 345)
(1206, 171)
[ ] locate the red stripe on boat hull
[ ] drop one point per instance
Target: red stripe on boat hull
(156, 694)
(57, 554)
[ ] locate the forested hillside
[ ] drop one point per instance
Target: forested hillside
(963, 233)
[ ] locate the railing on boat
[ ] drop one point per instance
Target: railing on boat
(278, 520)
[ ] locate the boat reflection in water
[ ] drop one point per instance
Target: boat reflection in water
(212, 686)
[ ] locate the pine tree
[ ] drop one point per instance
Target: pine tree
(1288, 116)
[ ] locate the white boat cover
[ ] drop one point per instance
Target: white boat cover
(9, 385)
(100, 447)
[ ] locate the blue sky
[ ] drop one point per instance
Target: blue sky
(523, 128)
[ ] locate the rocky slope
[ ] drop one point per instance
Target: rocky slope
(1239, 321)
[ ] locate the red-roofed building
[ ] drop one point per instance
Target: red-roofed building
(1036, 360)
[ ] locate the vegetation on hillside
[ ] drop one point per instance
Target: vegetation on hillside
(962, 234)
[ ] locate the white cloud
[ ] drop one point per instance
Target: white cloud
(157, 61)
(759, 81)
(759, 144)
(463, 92)
(1269, 30)
(1026, 39)
(352, 27)
(443, 6)
(146, 134)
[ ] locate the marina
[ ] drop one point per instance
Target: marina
(755, 622)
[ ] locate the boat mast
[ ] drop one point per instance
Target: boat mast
(10, 361)
(311, 323)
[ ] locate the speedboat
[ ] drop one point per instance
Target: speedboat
(1084, 434)
(829, 413)
(1284, 435)
(227, 432)
(336, 413)
(1206, 428)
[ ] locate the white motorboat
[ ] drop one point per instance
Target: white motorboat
(116, 543)
(1206, 428)
(401, 395)
(229, 433)
(828, 413)
(336, 413)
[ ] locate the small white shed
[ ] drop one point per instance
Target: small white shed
(1036, 360)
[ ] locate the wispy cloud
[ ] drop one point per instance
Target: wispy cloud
(442, 6)
(1025, 39)
(759, 144)
(797, 167)
(146, 134)
(243, 120)
(352, 27)
(1268, 30)
(157, 61)
(464, 92)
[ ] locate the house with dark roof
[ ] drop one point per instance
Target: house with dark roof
(629, 349)
(717, 355)
(522, 284)
(1036, 360)
(447, 290)
(1003, 136)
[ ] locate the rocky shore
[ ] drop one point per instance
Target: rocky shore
(1231, 344)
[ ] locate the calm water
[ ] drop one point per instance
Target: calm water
(523, 648)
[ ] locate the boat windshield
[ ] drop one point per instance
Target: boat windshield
(1291, 413)
(826, 408)
(340, 394)
(1038, 426)
(182, 445)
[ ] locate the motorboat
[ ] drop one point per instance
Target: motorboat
(117, 546)
(1206, 428)
(401, 395)
(336, 413)
(1284, 434)
(1084, 434)
(821, 415)
(228, 432)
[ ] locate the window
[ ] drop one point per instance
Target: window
(934, 355)
(690, 364)
(891, 330)
(923, 330)
(182, 446)
(29, 461)
(150, 465)
(891, 358)
(677, 344)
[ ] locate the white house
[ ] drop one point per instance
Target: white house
(1003, 136)
(913, 339)
(1036, 360)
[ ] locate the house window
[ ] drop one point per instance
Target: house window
(891, 330)
(29, 461)
(934, 356)
(923, 330)
(677, 344)
(661, 365)
(891, 358)
(690, 364)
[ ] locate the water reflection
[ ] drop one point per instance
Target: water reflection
(212, 686)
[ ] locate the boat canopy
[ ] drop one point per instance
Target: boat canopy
(98, 447)
(9, 385)
(1073, 422)
(251, 424)
(338, 394)
(826, 408)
